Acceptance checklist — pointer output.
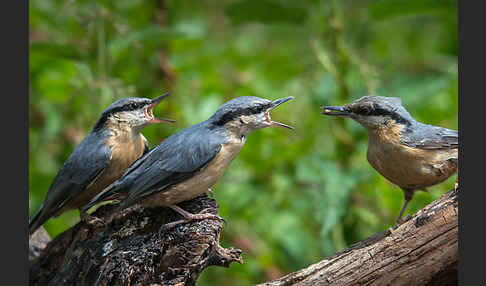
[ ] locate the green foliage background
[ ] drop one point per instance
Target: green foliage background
(290, 198)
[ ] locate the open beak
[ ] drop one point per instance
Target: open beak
(151, 107)
(275, 104)
(335, 111)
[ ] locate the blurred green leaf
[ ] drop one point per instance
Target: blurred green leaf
(265, 11)
(147, 36)
(55, 50)
(387, 9)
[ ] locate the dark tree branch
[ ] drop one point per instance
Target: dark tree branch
(129, 251)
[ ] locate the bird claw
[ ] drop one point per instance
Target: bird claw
(204, 214)
(407, 218)
(207, 211)
(398, 222)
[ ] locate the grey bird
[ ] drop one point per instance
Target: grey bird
(114, 143)
(410, 154)
(191, 161)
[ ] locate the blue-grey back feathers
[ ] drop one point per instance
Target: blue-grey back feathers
(424, 136)
(89, 158)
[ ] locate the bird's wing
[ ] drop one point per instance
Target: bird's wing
(176, 159)
(431, 137)
(86, 162)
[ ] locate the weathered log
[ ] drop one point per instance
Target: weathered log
(421, 251)
(129, 250)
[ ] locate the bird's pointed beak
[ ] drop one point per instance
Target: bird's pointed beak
(275, 104)
(335, 111)
(154, 103)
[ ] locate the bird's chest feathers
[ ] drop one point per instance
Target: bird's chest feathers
(204, 178)
(406, 166)
(125, 149)
(209, 175)
(386, 153)
(226, 155)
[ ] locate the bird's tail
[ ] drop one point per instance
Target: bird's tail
(38, 219)
(109, 193)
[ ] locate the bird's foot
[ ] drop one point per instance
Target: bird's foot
(207, 211)
(407, 218)
(188, 217)
(398, 222)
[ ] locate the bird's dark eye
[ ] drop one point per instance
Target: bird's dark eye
(363, 110)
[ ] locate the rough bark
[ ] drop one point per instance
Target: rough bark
(128, 250)
(422, 251)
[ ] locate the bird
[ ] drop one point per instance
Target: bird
(114, 143)
(408, 153)
(191, 161)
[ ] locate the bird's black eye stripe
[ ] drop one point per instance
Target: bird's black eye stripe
(126, 107)
(364, 110)
(229, 116)
(376, 110)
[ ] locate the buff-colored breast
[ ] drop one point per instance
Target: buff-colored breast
(407, 167)
(201, 181)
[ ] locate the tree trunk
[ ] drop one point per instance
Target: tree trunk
(128, 250)
(421, 251)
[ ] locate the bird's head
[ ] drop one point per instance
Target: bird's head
(372, 112)
(247, 113)
(134, 112)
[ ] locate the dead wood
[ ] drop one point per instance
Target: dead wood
(421, 251)
(128, 250)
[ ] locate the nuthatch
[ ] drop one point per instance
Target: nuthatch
(114, 144)
(408, 153)
(189, 162)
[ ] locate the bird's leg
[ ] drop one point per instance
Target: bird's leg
(408, 197)
(188, 217)
(90, 219)
(456, 185)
